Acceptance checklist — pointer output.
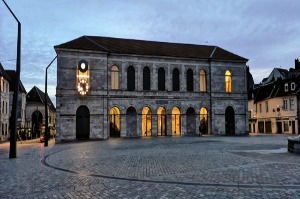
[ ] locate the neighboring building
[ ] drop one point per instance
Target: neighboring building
(4, 104)
(110, 87)
(273, 104)
(21, 99)
(35, 112)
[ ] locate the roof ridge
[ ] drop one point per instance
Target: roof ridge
(151, 41)
(87, 37)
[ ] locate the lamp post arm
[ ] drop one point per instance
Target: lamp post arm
(13, 14)
(46, 103)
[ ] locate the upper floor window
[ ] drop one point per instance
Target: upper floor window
(114, 77)
(286, 87)
(146, 78)
(130, 78)
(202, 81)
(293, 86)
(189, 80)
(161, 79)
(175, 79)
(267, 106)
(228, 81)
(291, 104)
(260, 109)
(284, 106)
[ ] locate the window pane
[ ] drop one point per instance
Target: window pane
(175, 79)
(190, 80)
(161, 79)
(130, 78)
(146, 78)
(202, 81)
(114, 77)
(228, 81)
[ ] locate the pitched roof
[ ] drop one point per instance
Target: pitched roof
(12, 77)
(3, 72)
(152, 48)
(36, 95)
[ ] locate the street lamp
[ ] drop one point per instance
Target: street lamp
(13, 119)
(46, 104)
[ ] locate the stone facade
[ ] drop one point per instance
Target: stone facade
(100, 99)
(4, 111)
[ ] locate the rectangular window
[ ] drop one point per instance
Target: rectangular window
(291, 104)
(267, 106)
(249, 113)
(286, 126)
(260, 109)
(286, 87)
(292, 86)
(284, 106)
(253, 128)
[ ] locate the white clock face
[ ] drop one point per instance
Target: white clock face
(82, 66)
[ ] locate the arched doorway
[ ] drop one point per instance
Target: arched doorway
(203, 121)
(229, 121)
(131, 122)
(146, 122)
(114, 122)
(190, 121)
(161, 121)
(176, 121)
(37, 120)
(82, 123)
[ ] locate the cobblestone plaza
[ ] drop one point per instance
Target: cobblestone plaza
(157, 167)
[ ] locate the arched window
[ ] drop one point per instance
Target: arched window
(161, 79)
(130, 78)
(114, 77)
(175, 79)
(202, 81)
(228, 81)
(146, 78)
(189, 80)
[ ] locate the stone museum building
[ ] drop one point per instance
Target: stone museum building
(112, 87)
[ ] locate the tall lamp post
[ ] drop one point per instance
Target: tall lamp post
(13, 121)
(46, 103)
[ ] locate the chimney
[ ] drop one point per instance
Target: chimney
(297, 64)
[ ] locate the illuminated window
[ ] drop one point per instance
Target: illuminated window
(161, 79)
(203, 121)
(228, 81)
(114, 119)
(161, 121)
(146, 122)
(83, 77)
(2, 89)
(176, 121)
(114, 77)
(175, 79)
(202, 81)
(130, 78)
(189, 80)
(146, 78)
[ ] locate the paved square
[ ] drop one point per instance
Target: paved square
(158, 167)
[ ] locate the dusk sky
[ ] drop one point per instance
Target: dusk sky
(266, 32)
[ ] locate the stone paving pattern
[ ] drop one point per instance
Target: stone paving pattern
(167, 167)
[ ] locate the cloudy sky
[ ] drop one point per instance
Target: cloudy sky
(266, 32)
